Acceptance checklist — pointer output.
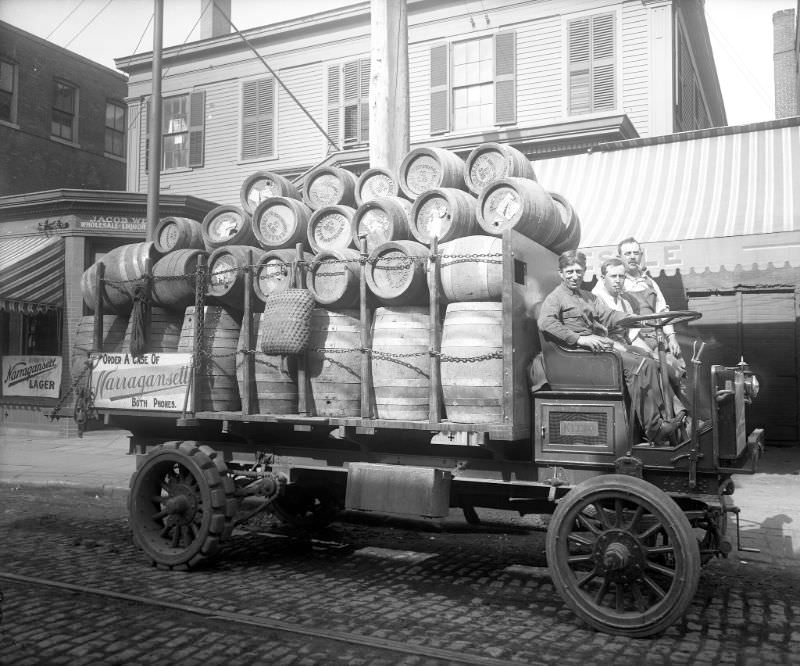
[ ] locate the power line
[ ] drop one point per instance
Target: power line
(65, 19)
(91, 20)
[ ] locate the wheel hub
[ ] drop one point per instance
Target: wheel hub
(618, 555)
(182, 504)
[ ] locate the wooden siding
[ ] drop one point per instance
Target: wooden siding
(302, 62)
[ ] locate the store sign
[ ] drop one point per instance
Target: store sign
(112, 223)
(32, 376)
(153, 382)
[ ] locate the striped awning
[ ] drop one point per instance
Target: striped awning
(31, 273)
(697, 185)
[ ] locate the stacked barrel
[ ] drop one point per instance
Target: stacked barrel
(339, 229)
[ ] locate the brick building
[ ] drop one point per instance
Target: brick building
(62, 118)
(786, 60)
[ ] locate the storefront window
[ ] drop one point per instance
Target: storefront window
(34, 333)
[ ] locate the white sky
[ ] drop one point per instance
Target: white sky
(741, 34)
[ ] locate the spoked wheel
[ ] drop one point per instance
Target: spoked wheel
(623, 556)
(181, 504)
(312, 507)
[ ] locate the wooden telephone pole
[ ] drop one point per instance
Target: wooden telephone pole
(154, 124)
(388, 98)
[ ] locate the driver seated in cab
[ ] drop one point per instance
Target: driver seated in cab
(574, 317)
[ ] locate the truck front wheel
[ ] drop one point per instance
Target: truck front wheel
(623, 556)
(181, 504)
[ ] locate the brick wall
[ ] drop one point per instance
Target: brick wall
(30, 159)
(787, 96)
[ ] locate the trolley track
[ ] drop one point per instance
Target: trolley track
(239, 618)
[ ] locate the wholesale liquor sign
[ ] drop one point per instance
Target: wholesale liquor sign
(153, 382)
(32, 376)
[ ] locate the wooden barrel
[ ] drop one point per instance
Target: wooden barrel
(227, 225)
(331, 228)
(329, 186)
(217, 388)
(333, 278)
(471, 269)
(375, 183)
(334, 374)
(472, 390)
(520, 204)
(401, 383)
(570, 236)
(423, 169)
(113, 334)
(178, 233)
(492, 161)
(444, 212)
(396, 273)
(273, 271)
(163, 331)
(174, 280)
(280, 222)
(263, 185)
(124, 266)
(226, 275)
(382, 220)
(275, 375)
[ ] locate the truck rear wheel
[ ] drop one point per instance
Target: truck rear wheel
(623, 556)
(181, 504)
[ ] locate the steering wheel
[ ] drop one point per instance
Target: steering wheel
(659, 319)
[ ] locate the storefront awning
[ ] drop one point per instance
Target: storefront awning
(31, 273)
(719, 183)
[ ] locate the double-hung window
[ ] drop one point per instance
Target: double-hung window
(8, 91)
(473, 83)
(348, 103)
(182, 131)
(258, 119)
(592, 84)
(65, 106)
(115, 129)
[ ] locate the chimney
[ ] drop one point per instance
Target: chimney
(212, 21)
(784, 56)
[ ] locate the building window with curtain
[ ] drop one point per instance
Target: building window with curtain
(8, 91)
(591, 59)
(473, 84)
(115, 129)
(348, 103)
(65, 107)
(182, 131)
(258, 119)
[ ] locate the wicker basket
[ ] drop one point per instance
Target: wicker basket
(285, 325)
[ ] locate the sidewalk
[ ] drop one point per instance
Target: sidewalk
(99, 462)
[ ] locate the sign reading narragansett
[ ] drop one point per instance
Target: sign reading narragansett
(36, 376)
(153, 382)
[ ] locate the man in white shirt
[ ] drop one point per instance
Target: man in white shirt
(610, 289)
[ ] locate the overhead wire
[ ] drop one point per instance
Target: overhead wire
(65, 19)
(91, 20)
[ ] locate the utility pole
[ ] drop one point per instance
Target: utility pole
(388, 97)
(154, 129)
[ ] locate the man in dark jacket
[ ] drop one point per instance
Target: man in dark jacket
(574, 317)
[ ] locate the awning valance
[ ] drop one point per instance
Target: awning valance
(702, 186)
(31, 273)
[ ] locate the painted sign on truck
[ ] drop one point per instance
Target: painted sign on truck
(152, 382)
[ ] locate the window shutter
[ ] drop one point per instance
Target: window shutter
(603, 75)
(197, 123)
(334, 104)
(440, 92)
(364, 66)
(351, 102)
(258, 119)
(505, 87)
(578, 63)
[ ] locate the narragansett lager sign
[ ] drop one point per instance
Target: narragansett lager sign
(152, 382)
(32, 376)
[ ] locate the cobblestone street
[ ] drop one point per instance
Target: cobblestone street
(479, 596)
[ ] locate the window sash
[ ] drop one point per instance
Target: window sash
(115, 129)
